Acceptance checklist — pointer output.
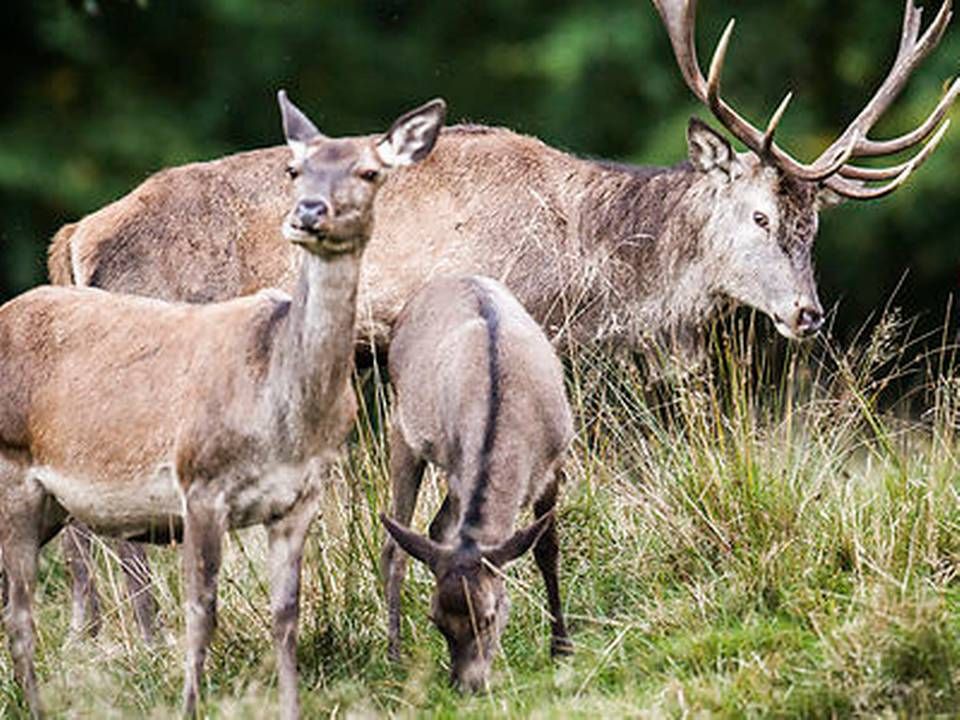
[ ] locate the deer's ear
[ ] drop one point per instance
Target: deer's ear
(413, 135)
(710, 151)
(297, 127)
(518, 543)
(417, 546)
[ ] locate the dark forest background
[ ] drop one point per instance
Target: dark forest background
(99, 94)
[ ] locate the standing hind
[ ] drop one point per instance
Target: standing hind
(148, 420)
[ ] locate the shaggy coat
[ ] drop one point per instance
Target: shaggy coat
(595, 251)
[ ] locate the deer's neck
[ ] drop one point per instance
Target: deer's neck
(642, 230)
(490, 513)
(312, 356)
(632, 204)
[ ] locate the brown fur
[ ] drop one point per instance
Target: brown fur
(58, 256)
(596, 251)
(146, 419)
(495, 418)
(591, 249)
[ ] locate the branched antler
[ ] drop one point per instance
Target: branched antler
(832, 167)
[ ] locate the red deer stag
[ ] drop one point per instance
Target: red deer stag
(595, 251)
(145, 419)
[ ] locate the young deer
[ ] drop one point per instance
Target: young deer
(494, 416)
(149, 420)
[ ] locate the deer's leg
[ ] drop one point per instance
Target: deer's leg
(136, 569)
(444, 519)
(205, 521)
(20, 575)
(77, 548)
(546, 553)
(28, 519)
(286, 538)
(406, 473)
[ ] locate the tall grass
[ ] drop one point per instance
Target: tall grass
(776, 535)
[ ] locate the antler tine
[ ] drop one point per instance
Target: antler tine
(913, 49)
(856, 172)
(733, 121)
(875, 148)
(857, 191)
(679, 17)
(716, 63)
(775, 122)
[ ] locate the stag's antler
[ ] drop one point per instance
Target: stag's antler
(833, 166)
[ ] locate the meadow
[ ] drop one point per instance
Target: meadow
(777, 536)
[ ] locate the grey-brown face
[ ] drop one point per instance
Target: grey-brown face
(759, 233)
(470, 605)
(335, 181)
(470, 608)
(334, 186)
(772, 224)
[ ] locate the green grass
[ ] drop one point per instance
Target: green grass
(778, 537)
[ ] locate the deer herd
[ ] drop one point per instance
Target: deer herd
(189, 369)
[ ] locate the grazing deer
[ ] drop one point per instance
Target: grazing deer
(494, 416)
(146, 420)
(596, 251)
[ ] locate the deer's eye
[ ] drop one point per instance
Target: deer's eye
(369, 175)
(292, 172)
(762, 220)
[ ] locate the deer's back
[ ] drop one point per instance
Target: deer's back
(486, 201)
(99, 384)
(468, 361)
(201, 232)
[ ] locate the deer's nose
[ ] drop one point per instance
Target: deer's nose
(809, 320)
(470, 683)
(310, 212)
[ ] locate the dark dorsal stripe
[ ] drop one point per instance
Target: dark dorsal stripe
(487, 311)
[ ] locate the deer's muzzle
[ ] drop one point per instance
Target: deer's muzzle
(310, 213)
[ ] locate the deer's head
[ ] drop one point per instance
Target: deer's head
(335, 180)
(763, 215)
(757, 232)
(470, 606)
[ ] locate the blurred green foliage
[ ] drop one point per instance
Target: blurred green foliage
(100, 93)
